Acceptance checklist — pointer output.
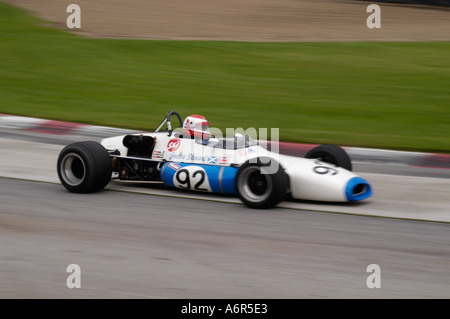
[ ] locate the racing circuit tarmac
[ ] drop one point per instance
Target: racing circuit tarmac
(147, 242)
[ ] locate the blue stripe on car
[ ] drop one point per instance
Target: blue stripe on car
(221, 178)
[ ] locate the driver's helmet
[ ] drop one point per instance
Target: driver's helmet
(196, 127)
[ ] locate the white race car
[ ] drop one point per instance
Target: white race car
(237, 165)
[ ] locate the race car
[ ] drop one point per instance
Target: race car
(189, 157)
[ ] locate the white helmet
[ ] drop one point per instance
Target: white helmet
(196, 126)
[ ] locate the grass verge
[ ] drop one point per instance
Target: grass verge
(371, 94)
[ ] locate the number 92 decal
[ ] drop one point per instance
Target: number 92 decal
(193, 178)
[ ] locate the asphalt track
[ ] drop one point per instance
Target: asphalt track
(146, 242)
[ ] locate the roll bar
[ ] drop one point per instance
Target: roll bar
(169, 124)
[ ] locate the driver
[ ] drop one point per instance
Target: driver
(196, 127)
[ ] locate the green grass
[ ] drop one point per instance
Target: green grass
(388, 95)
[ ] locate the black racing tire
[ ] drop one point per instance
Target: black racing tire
(84, 167)
(261, 191)
(333, 154)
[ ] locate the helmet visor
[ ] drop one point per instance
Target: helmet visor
(203, 126)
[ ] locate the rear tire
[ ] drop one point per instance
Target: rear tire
(84, 167)
(259, 190)
(332, 154)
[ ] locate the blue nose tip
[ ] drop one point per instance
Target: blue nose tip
(357, 189)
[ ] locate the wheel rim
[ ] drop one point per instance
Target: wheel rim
(73, 169)
(254, 186)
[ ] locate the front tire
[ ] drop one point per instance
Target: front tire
(258, 190)
(84, 167)
(332, 154)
